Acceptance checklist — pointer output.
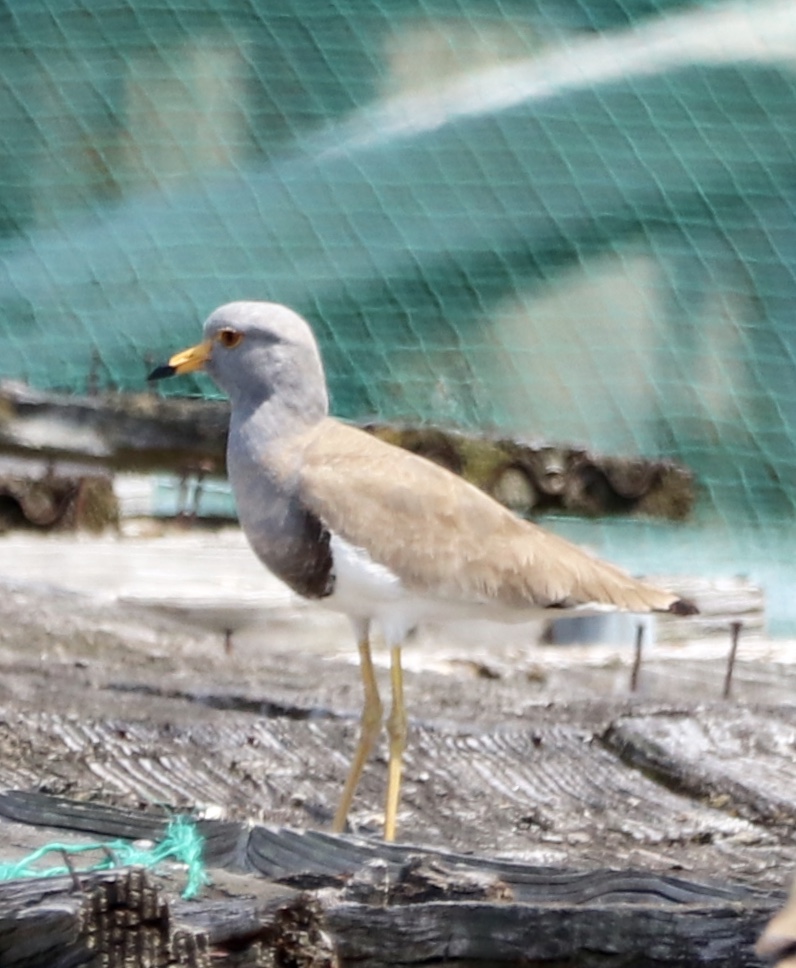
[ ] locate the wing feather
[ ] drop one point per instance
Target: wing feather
(444, 537)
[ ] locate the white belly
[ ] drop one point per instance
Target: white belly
(368, 591)
(362, 587)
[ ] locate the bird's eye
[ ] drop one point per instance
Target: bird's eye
(229, 338)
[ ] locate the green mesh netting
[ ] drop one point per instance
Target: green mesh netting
(181, 843)
(565, 219)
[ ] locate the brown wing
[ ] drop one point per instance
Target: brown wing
(441, 535)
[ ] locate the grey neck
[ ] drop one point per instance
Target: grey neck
(270, 420)
(264, 463)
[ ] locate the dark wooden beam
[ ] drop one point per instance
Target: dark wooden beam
(367, 903)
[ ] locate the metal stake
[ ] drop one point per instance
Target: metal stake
(735, 631)
(634, 673)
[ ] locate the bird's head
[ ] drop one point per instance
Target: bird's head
(257, 351)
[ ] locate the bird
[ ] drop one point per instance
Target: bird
(389, 538)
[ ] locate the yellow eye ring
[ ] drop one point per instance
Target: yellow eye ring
(229, 338)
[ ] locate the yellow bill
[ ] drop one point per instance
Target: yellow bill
(186, 361)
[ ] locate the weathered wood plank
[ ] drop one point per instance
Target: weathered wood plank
(121, 918)
(552, 788)
(142, 711)
(740, 762)
(255, 924)
(613, 812)
(59, 922)
(131, 919)
(515, 934)
(388, 904)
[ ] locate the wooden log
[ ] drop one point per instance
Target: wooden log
(58, 921)
(56, 496)
(522, 934)
(377, 904)
(144, 432)
(257, 923)
(122, 431)
(130, 918)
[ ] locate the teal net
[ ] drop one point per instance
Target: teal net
(570, 220)
(181, 843)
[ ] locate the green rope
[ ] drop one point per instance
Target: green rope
(182, 842)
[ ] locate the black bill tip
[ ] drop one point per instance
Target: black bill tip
(683, 607)
(161, 372)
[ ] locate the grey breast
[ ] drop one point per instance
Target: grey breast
(287, 537)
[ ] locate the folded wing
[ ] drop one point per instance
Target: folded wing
(447, 539)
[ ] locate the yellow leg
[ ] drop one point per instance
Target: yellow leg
(370, 725)
(396, 730)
